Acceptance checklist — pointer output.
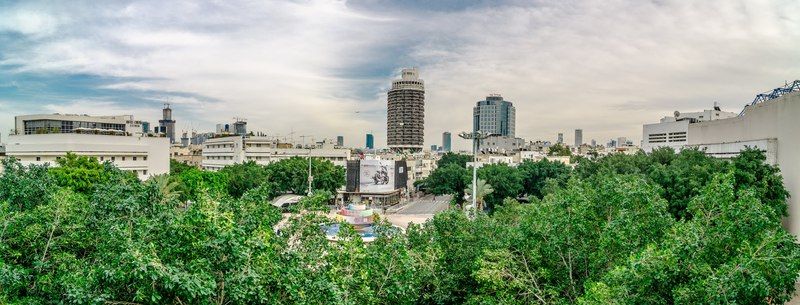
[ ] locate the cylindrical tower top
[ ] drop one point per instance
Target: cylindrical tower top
(167, 112)
(409, 79)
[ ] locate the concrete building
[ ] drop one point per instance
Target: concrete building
(494, 116)
(672, 131)
(224, 151)
(340, 141)
(769, 123)
(120, 139)
(578, 138)
(40, 139)
(405, 124)
(189, 155)
(501, 144)
(560, 139)
(434, 148)
(447, 144)
(167, 124)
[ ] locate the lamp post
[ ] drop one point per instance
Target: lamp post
(475, 136)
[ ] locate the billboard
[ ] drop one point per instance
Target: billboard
(376, 176)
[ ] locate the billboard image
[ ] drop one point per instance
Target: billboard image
(376, 176)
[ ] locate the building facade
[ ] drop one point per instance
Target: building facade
(578, 138)
(340, 141)
(406, 112)
(167, 125)
(225, 151)
(494, 116)
(674, 131)
(501, 145)
(560, 139)
(370, 141)
(447, 141)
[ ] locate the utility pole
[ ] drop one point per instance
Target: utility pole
(475, 137)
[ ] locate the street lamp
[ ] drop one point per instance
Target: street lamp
(475, 136)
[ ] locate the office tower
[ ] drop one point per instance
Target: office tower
(340, 141)
(434, 148)
(594, 143)
(370, 141)
(167, 124)
(578, 137)
(560, 138)
(446, 141)
(145, 127)
(185, 139)
(494, 116)
(405, 120)
(240, 127)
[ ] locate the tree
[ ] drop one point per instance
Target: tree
(450, 179)
(80, 173)
(505, 180)
(176, 167)
(535, 175)
(25, 187)
(195, 183)
(291, 175)
(454, 158)
(243, 177)
(482, 189)
(559, 149)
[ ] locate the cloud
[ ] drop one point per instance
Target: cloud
(323, 67)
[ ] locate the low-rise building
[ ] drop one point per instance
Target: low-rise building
(223, 151)
(498, 144)
(40, 139)
(189, 155)
(672, 131)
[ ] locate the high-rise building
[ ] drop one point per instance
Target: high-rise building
(560, 138)
(370, 141)
(494, 116)
(340, 141)
(594, 143)
(447, 141)
(434, 148)
(405, 120)
(167, 124)
(578, 137)
(622, 141)
(240, 127)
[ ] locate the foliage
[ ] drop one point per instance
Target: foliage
(505, 180)
(454, 158)
(559, 149)
(176, 167)
(291, 175)
(243, 177)
(450, 179)
(604, 233)
(82, 173)
(536, 174)
(482, 189)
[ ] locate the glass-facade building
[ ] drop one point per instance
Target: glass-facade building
(494, 116)
(67, 126)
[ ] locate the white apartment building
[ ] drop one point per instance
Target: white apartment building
(502, 144)
(224, 151)
(40, 139)
(672, 131)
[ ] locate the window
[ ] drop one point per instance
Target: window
(101, 158)
(113, 159)
(144, 158)
(134, 158)
(144, 172)
(123, 158)
(38, 158)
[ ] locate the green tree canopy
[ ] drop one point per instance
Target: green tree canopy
(454, 158)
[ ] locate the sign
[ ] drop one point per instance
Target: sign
(376, 176)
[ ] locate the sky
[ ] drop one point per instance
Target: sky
(322, 68)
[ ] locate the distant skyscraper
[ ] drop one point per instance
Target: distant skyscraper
(594, 143)
(494, 116)
(146, 127)
(578, 137)
(167, 124)
(240, 127)
(446, 141)
(340, 141)
(560, 138)
(434, 148)
(622, 141)
(405, 121)
(370, 141)
(185, 139)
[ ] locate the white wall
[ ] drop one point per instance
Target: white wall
(777, 120)
(151, 153)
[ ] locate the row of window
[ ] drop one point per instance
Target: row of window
(57, 126)
(219, 145)
(104, 158)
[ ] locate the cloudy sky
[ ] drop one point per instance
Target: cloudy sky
(322, 68)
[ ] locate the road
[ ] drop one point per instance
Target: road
(428, 204)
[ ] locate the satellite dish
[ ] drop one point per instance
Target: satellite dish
(677, 113)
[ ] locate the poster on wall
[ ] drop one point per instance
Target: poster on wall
(376, 176)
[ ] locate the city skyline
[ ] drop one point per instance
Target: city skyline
(326, 66)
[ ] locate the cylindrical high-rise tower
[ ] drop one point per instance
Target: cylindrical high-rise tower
(406, 112)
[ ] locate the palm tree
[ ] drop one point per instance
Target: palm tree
(167, 187)
(482, 189)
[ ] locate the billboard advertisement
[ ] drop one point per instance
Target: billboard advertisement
(376, 176)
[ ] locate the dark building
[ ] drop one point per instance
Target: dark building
(167, 124)
(406, 112)
(370, 141)
(340, 141)
(447, 141)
